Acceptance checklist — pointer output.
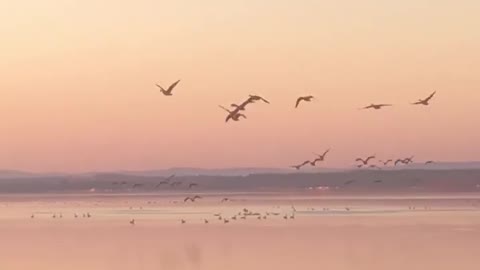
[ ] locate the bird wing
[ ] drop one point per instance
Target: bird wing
(305, 163)
(161, 88)
(361, 160)
(418, 102)
(264, 100)
(431, 96)
(298, 101)
(170, 89)
(384, 105)
(225, 109)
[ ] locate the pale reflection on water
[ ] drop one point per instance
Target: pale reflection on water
(428, 232)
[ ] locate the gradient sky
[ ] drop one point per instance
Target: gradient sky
(77, 82)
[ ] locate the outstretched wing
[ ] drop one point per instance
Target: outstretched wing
(298, 101)
(225, 109)
(431, 96)
(161, 88)
(170, 89)
(264, 100)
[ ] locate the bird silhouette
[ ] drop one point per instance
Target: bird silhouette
(256, 98)
(205, 221)
(320, 157)
(398, 161)
(165, 181)
(191, 185)
(376, 106)
(225, 200)
(365, 161)
(425, 101)
(238, 108)
(168, 92)
(304, 98)
(298, 167)
(409, 160)
(429, 162)
(183, 221)
(385, 163)
(137, 185)
(234, 116)
(132, 222)
(192, 199)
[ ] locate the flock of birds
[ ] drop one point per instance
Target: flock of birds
(236, 113)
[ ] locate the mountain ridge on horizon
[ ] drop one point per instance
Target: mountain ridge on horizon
(232, 171)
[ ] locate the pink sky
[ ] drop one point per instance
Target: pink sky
(78, 82)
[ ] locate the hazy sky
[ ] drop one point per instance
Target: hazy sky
(77, 82)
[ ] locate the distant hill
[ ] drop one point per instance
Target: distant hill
(185, 171)
(403, 180)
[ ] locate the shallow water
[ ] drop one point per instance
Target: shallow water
(443, 232)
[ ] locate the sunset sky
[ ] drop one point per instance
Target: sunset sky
(77, 82)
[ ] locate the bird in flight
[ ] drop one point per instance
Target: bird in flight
(385, 163)
(376, 106)
(231, 115)
(426, 101)
(297, 167)
(398, 161)
(250, 100)
(254, 98)
(192, 185)
(429, 162)
(365, 161)
(225, 200)
(192, 199)
(320, 157)
(132, 222)
(305, 98)
(168, 92)
(409, 160)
